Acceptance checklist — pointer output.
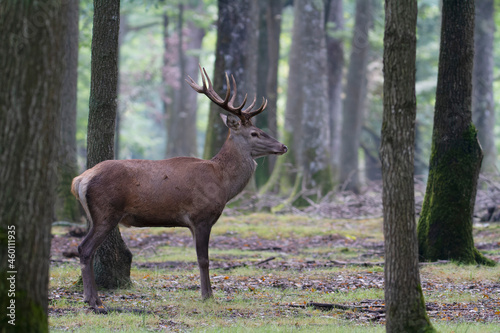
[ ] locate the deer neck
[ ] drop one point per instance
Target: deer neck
(236, 164)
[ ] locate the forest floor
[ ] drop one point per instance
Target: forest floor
(299, 271)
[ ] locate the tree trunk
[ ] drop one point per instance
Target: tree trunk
(31, 56)
(67, 207)
(355, 97)
(267, 86)
(315, 129)
(181, 134)
(404, 301)
(445, 225)
(113, 258)
(335, 49)
(292, 133)
(483, 104)
(236, 54)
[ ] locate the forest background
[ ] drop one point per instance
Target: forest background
(150, 81)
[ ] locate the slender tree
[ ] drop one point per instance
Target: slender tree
(67, 206)
(315, 121)
(445, 225)
(306, 117)
(335, 48)
(236, 54)
(113, 258)
(267, 77)
(31, 56)
(181, 133)
(483, 104)
(355, 91)
(404, 301)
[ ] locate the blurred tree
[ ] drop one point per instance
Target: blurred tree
(483, 104)
(31, 56)
(355, 93)
(445, 225)
(335, 48)
(267, 78)
(404, 301)
(236, 54)
(306, 118)
(113, 258)
(67, 207)
(181, 132)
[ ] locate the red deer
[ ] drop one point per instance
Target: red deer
(176, 192)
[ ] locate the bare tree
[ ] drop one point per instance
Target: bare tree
(31, 56)
(483, 104)
(113, 259)
(335, 49)
(181, 133)
(404, 301)
(236, 54)
(66, 205)
(355, 92)
(267, 77)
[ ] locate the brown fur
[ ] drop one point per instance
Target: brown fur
(177, 192)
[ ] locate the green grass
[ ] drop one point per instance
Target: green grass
(260, 298)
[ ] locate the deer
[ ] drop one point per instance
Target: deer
(176, 192)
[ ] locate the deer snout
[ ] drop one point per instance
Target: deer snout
(284, 149)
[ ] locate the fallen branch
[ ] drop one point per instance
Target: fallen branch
(264, 261)
(244, 265)
(331, 306)
(356, 263)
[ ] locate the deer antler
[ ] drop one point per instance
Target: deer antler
(227, 103)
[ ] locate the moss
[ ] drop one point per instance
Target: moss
(445, 226)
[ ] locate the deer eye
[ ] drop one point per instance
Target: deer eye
(254, 134)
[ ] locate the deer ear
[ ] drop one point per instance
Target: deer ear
(231, 121)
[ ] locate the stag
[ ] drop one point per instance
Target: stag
(177, 192)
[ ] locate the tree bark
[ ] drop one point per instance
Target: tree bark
(354, 102)
(315, 130)
(112, 259)
(483, 104)
(404, 301)
(267, 86)
(236, 54)
(445, 225)
(31, 56)
(335, 49)
(181, 134)
(67, 207)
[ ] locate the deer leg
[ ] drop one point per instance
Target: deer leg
(201, 237)
(96, 235)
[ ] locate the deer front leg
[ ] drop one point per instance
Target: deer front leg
(201, 237)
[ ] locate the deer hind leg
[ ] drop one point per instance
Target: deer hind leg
(96, 235)
(201, 236)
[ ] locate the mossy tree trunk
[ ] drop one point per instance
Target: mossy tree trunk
(445, 225)
(404, 301)
(112, 259)
(31, 56)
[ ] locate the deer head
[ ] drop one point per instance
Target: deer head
(242, 132)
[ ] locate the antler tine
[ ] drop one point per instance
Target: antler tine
(228, 102)
(251, 114)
